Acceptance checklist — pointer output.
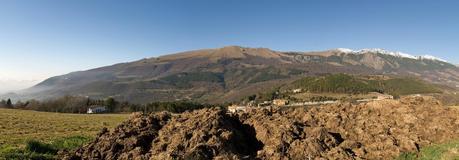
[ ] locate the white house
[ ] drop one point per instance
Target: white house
(298, 90)
(97, 109)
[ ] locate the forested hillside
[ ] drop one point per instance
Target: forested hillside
(343, 83)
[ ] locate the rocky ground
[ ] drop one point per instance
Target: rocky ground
(374, 130)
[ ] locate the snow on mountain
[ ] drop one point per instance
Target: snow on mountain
(395, 54)
(432, 58)
(345, 50)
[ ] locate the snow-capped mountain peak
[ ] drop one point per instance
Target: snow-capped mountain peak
(345, 50)
(386, 52)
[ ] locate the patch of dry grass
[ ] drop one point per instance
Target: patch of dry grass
(18, 126)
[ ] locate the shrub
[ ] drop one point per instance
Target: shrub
(39, 147)
(322, 98)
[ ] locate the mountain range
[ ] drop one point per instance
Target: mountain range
(230, 73)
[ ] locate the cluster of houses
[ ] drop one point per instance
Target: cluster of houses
(251, 105)
(274, 103)
(377, 97)
(285, 103)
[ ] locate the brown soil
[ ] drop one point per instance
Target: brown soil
(375, 130)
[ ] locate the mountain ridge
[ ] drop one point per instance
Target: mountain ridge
(229, 73)
(393, 53)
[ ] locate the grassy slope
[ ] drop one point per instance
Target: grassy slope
(338, 83)
(18, 126)
(404, 86)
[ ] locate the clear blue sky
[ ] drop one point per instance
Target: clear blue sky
(42, 38)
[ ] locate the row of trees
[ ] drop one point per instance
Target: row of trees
(6, 103)
(72, 104)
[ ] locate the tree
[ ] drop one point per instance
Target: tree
(19, 104)
(8, 103)
(252, 97)
(110, 103)
(3, 103)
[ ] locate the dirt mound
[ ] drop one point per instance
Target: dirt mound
(285, 137)
(133, 138)
(203, 134)
(374, 130)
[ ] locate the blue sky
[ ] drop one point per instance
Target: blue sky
(43, 38)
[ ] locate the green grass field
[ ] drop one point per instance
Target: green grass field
(444, 151)
(17, 126)
(38, 135)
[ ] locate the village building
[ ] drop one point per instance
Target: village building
(385, 96)
(280, 102)
(298, 90)
(264, 104)
(251, 104)
(237, 108)
(96, 109)
(379, 96)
